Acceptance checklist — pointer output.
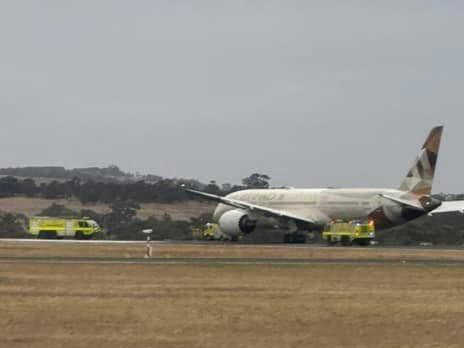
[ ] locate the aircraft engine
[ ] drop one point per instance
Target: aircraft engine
(235, 222)
(394, 213)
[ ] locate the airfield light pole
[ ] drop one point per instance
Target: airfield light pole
(149, 249)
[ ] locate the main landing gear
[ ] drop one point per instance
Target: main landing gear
(296, 238)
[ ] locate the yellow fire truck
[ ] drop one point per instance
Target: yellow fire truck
(348, 233)
(53, 228)
(212, 232)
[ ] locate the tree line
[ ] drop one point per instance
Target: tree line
(121, 223)
(90, 191)
(96, 173)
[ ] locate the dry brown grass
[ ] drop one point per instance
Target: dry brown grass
(109, 306)
(178, 211)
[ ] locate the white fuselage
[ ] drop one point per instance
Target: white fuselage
(326, 205)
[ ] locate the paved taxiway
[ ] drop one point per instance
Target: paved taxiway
(419, 256)
(217, 261)
(213, 243)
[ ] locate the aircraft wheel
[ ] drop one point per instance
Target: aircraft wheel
(295, 238)
(300, 238)
(331, 242)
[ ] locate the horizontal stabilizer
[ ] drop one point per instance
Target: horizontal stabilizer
(416, 205)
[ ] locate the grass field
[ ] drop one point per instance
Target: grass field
(109, 306)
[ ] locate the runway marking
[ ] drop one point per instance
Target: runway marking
(218, 261)
(231, 245)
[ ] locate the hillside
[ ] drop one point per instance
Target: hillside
(107, 174)
(178, 211)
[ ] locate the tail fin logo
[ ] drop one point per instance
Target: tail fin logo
(420, 177)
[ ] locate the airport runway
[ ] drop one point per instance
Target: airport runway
(55, 253)
(219, 261)
(212, 243)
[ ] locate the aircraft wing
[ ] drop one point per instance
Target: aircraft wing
(268, 212)
(449, 207)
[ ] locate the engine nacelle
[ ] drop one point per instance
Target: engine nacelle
(235, 222)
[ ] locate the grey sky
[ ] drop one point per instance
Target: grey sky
(313, 93)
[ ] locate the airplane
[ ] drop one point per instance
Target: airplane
(300, 210)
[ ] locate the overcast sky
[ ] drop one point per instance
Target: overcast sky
(313, 93)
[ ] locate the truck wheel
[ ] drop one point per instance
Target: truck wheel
(330, 241)
(79, 235)
(345, 241)
(48, 235)
(363, 241)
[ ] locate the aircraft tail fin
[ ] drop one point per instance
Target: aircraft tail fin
(420, 177)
